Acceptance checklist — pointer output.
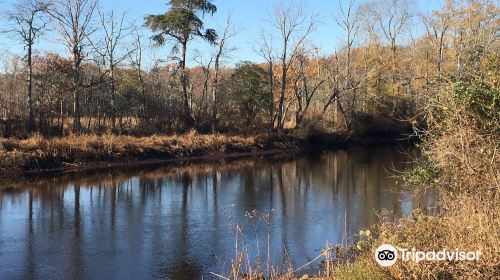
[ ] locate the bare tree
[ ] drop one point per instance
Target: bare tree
(304, 88)
(437, 25)
(333, 80)
(206, 69)
(27, 17)
(474, 31)
(266, 51)
(135, 56)
(222, 50)
(393, 18)
(294, 26)
(11, 71)
(75, 19)
(349, 23)
(114, 31)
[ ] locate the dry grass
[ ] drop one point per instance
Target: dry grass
(461, 160)
(41, 153)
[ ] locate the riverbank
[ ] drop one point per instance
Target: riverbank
(460, 163)
(38, 154)
(41, 154)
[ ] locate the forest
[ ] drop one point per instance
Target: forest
(377, 81)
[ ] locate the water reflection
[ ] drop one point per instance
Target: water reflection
(174, 223)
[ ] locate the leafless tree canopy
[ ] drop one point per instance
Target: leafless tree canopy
(114, 78)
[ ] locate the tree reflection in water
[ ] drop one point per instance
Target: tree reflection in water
(168, 222)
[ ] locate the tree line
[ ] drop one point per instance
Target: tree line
(390, 54)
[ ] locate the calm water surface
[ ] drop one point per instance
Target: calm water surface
(178, 223)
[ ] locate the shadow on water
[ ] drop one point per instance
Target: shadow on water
(174, 222)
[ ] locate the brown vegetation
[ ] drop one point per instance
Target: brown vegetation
(461, 160)
(41, 153)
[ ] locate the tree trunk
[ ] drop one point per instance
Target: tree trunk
(215, 89)
(282, 93)
(271, 97)
(188, 118)
(31, 120)
(113, 93)
(76, 90)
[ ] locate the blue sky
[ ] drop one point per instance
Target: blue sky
(248, 16)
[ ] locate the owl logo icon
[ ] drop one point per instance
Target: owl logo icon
(386, 255)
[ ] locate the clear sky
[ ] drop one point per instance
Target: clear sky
(248, 16)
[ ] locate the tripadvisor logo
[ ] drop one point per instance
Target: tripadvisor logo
(387, 255)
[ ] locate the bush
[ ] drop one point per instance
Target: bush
(481, 99)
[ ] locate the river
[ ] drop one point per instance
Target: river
(179, 222)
